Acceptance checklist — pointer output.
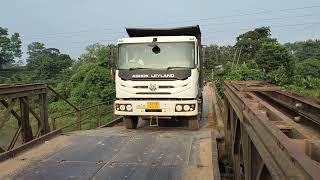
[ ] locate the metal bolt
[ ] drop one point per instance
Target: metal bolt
(297, 118)
(298, 105)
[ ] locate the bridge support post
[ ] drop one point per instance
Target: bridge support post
(228, 131)
(43, 105)
(246, 152)
(236, 149)
(25, 120)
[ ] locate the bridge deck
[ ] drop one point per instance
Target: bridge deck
(117, 153)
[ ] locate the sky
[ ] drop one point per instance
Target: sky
(71, 25)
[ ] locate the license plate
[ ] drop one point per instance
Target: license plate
(153, 105)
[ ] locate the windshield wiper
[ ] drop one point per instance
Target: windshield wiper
(136, 68)
(177, 67)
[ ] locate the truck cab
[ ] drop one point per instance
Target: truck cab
(159, 75)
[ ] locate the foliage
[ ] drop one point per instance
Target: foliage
(10, 47)
(276, 60)
(46, 63)
(89, 80)
(307, 85)
(218, 55)
(91, 83)
(244, 71)
(306, 82)
(98, 53)
(309, 67)
(58, 107)
(278, 76)
(250, 42)
(305, 49)
(293, 65)
(15, 75)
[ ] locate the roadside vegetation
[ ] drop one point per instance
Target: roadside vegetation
(258, 56)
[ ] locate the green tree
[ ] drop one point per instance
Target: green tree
(245, 71)
(272, 56)
(250, 42)
(309, 67)
(98, 53)
(92, 83)
(46, 63)
(305, 49)
(89, 81)
(218, 55)
(10, 47)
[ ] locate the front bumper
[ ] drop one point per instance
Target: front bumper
(167, 108)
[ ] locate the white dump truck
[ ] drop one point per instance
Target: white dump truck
(158, 76)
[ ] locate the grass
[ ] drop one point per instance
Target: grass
(315, 93)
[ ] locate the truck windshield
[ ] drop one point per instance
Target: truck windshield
(156, 55)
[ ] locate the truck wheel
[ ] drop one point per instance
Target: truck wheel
(193, 123)
(130, 122)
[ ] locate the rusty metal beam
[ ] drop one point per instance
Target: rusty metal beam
(262, 132)
(21, 90)
(15, 114)
(31, 111)
(57, 94)
(309, 109)
(14, 139)
(25, 123)
(5, 114)
(43, 105)
(12, 153)
(253, 85)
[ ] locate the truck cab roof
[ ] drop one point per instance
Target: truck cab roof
(159, 39)
(154, 32)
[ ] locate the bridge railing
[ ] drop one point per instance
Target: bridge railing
(84, 118)
(23, 108)
(24, 114)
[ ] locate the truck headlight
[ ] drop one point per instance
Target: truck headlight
(179, 108)
(129, 107)
(122, 107)
(186, 107)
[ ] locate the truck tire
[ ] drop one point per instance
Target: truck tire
(193, 123)
(130, 122)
